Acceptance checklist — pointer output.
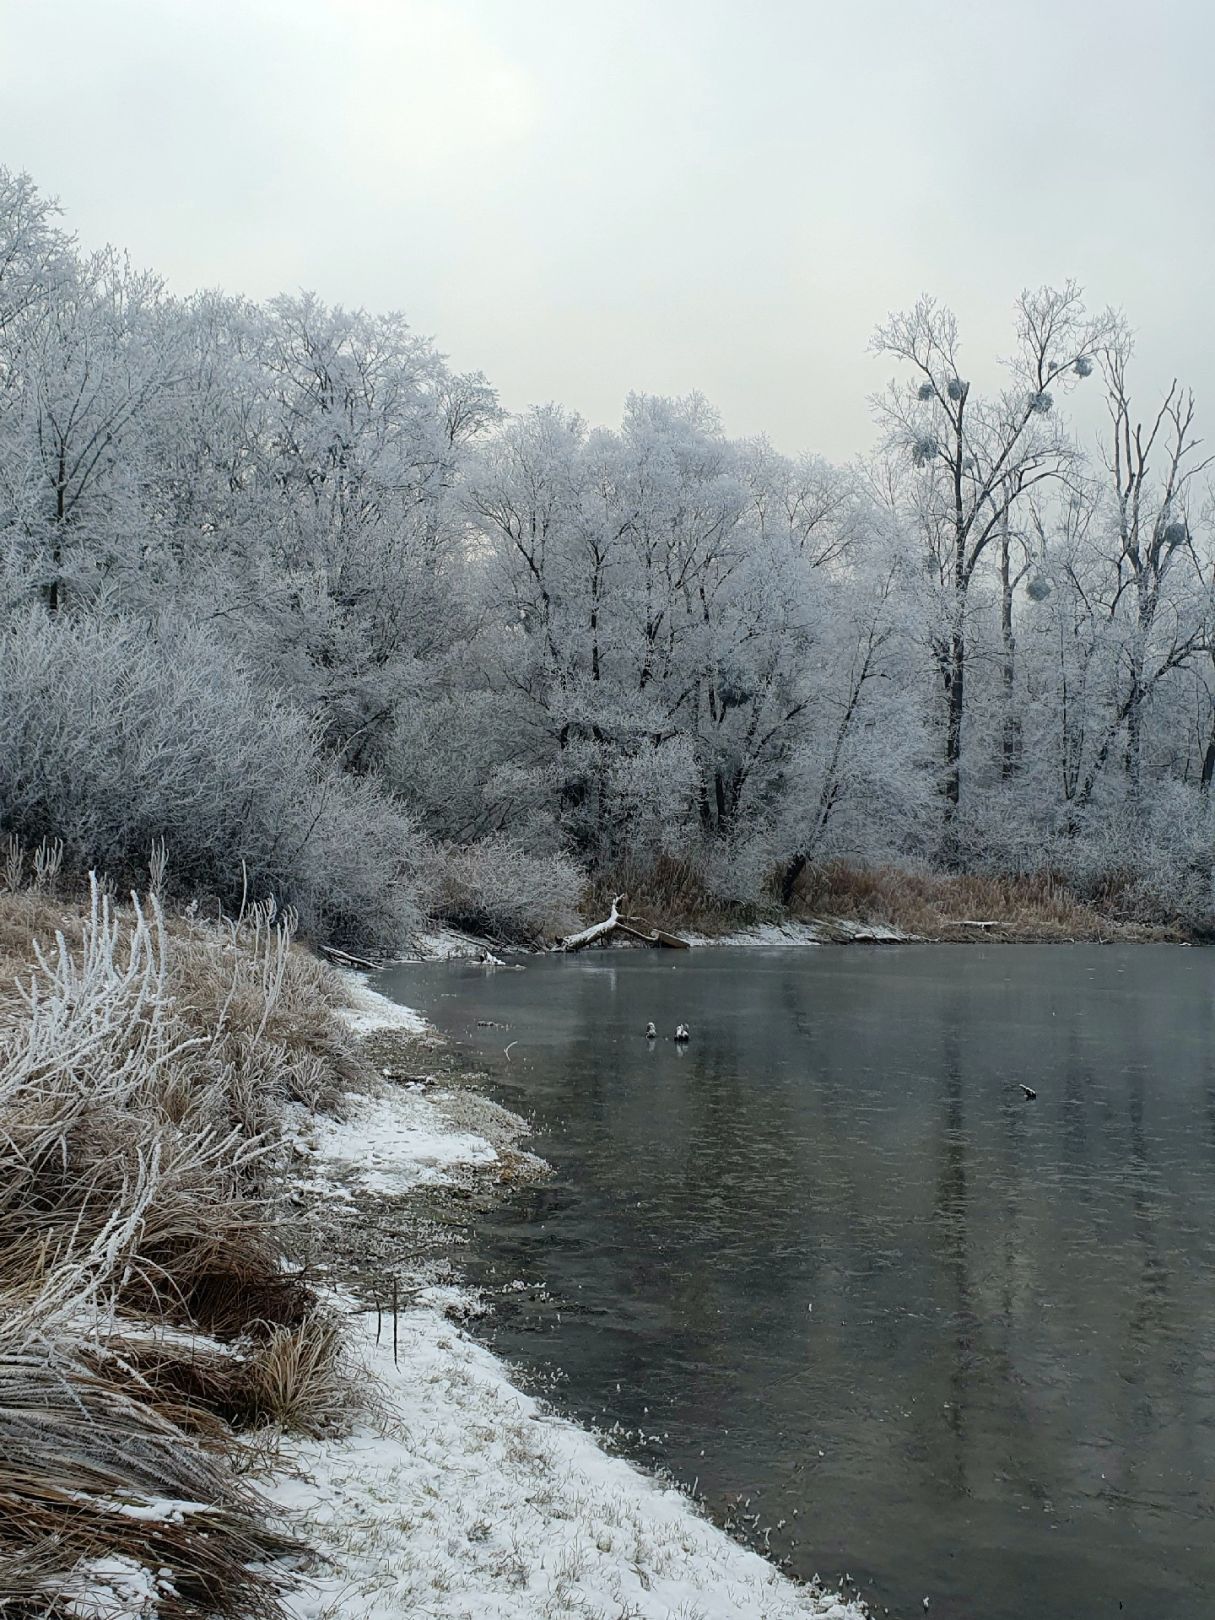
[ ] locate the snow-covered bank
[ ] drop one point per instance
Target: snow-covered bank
(456, 1495)
(443, 944)
(460, 1496)
(822, 931)
(367, 1011)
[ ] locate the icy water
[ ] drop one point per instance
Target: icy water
(962, 1344)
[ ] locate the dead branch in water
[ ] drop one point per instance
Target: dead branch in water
(635, 927)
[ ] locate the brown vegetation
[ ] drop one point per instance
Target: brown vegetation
(146, 1316)
(927, 905)
(966, 907)
(674, 893)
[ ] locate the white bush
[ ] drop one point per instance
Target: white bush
(498, 890)
(118, 734)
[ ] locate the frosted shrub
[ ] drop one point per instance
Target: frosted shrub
(119, 735)
(497, 889)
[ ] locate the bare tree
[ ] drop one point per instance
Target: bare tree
(1151, 468)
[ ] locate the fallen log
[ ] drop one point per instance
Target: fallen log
(635, 927)
(347, 960)
(599, 930)
(650, 934)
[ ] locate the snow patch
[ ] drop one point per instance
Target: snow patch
(367, 1010)
(392, 1142)
(111, 1589)
(450, 945)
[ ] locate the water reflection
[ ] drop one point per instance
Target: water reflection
(831, 1246)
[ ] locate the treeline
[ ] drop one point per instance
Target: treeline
(282, 588)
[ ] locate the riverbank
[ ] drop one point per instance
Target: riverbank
(228, 1186)
(457, 1492)
(841, 904)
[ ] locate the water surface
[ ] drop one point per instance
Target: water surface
(830, 1257)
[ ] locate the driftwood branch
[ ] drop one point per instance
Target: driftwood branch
(634, 927)
(347, 960)
(599, 930)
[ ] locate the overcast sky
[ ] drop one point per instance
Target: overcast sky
(582, 199)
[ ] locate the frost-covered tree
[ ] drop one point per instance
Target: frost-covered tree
(1153, 587)
(973, 458)
(530, 647)
(92, 358)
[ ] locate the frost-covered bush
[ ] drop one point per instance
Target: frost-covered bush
(499, 890)
(118, 734)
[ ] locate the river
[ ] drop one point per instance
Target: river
(828, 1257)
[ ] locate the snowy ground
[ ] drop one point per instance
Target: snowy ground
(461, 1497)
(457, 1496)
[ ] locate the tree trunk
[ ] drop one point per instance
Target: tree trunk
(788, 882)
(1011, 740)
(53, 589)
(955, 688)
(1134, 722)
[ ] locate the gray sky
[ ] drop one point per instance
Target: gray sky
(580, 199)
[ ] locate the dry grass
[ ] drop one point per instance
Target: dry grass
(88, 1471)
(673, 893)
(144, 1064)
(298, 1379)
(947, 907)
(291, 1376)
(676, 894)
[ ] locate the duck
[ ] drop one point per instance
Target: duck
(651, 1031)
(681, 1033)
